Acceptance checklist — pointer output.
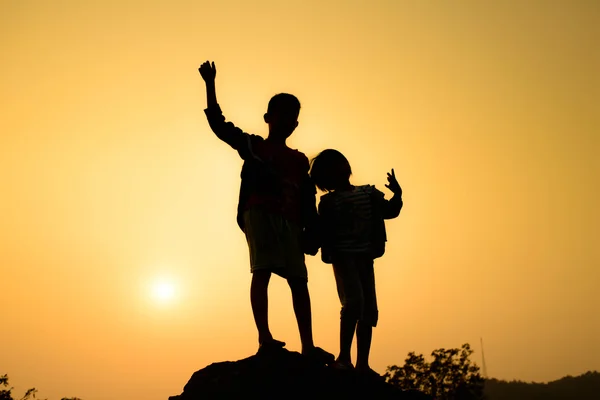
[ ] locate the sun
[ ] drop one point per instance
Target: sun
(163, 291)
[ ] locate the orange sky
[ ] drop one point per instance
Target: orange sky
(112, 181)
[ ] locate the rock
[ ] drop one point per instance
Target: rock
(283, 374)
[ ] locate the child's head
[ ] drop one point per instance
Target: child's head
(282, 115)
(330, 170)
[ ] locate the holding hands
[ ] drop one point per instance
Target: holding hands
(208, 71)
(393, 184)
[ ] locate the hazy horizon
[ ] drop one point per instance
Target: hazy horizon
(122, 269)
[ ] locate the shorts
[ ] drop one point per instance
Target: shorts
(355, 281)
(275, 244)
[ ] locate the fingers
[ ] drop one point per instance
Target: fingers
(393, 184)
(391, 176)
(207, 64)
(208, 70)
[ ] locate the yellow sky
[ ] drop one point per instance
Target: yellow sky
(112, 181)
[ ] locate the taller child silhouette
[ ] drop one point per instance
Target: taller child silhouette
(277, 207)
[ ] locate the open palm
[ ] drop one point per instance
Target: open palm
(393, 184)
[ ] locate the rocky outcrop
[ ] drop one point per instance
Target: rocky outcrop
(286, 375)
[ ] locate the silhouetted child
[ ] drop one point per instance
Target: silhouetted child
(353, 235)
(277, 204)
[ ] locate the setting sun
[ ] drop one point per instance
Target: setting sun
(163, 291)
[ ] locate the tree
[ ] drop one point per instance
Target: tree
(450, 376)
(5, 394)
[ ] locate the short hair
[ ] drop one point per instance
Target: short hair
(284, 102)
(328, 168)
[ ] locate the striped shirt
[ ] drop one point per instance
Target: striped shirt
(346, 218)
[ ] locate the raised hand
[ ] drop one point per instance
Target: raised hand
(393, 184)
(208, 71)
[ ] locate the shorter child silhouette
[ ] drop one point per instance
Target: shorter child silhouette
(352, 236)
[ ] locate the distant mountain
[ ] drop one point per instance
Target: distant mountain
(586, 386)
(286, 375)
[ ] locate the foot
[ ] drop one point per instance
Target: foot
(367, 372)
(343, 365)
(319, 355)
(270, 345)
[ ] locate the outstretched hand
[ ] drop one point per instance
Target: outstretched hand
(208, 71)
(393, 184)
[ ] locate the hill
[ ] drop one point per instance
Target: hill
(586, 386)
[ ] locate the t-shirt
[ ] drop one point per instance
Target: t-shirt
(274, 176)
(352, 221)
(346, 218)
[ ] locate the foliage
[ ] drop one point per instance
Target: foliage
(449, 376)
(6, 394)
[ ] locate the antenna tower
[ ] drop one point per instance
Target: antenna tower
(483, 367)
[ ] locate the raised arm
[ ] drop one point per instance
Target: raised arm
(392, 207)
(208, 71)
(225, 131)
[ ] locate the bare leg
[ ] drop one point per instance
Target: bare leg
(350, 293)
(364, 333)
(260, 304)
(347, 328)
(301, 301)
